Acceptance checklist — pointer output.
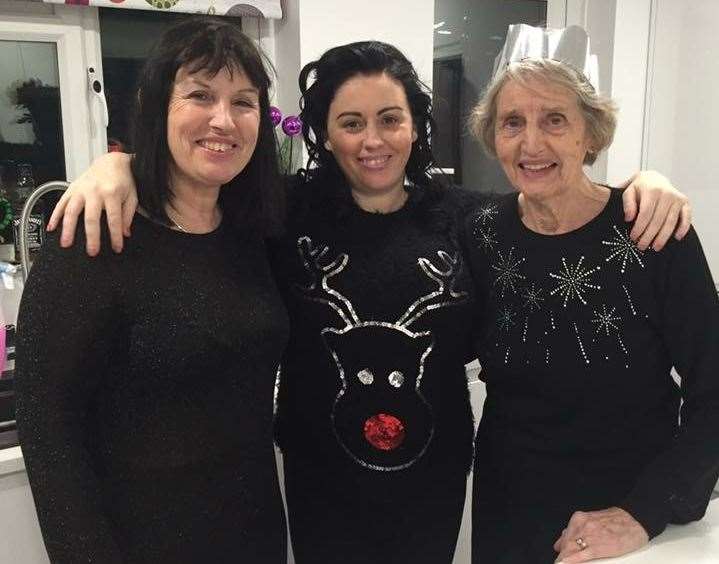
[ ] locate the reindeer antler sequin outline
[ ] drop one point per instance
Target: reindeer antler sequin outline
(321, 270)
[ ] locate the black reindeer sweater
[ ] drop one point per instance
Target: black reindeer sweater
(373, 397)
(380, 308)
(580, 332)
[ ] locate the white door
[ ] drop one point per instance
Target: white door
(682, 120)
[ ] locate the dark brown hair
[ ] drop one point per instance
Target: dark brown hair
(254, 198)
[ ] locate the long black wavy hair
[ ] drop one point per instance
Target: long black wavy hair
(329, 73)
(254, 199)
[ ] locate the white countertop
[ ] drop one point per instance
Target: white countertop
(11, 461)
(695, 543)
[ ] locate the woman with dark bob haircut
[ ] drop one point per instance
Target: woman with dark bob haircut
(374, 417)
(145, 379)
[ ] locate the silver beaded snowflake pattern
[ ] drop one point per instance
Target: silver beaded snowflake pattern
(574, 281)
(487, 213)
(507, 271)
(486, 236)
(505, 321)
(606, 321)
(622, 247)
(532, 298)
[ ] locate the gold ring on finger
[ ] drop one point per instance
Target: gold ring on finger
(581, 543)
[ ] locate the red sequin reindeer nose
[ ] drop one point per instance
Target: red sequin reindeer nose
(384, 431)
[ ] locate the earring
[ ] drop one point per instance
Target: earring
(328, 145)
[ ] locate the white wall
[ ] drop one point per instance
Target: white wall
(310, 27)
(407, 24)
(660, 59)
(682, 120)
(629, 73)
(619, 35)
(598, 18)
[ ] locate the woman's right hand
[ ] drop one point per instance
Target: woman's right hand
(107, 185)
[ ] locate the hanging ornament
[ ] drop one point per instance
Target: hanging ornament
(292, 125)
(275, 115)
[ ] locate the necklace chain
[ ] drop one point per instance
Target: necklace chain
(174, 221)
(177, 224)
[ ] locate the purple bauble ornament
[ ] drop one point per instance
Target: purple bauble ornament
(275, 115)
(292, 125)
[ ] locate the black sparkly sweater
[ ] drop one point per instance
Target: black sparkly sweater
(579, 336)
(373, 380)
(144, 389)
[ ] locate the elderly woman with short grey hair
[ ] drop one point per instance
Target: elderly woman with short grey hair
(599, 112)
(580, 452)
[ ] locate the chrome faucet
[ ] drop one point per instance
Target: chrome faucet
(25, 220)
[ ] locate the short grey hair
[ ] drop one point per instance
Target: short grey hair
(599, 112)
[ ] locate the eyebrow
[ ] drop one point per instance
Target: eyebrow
(248, 90)
(546, 109)
(509, 113)
(359, 114)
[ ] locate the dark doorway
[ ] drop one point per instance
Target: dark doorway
(447, 78)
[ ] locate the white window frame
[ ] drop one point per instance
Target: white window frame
(556, 13)
(75, 32)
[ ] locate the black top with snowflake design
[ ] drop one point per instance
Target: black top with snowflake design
(579, 334)
(380, 305)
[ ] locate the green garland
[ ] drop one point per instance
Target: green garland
(5, 213)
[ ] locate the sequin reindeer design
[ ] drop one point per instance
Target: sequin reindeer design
(380, 416)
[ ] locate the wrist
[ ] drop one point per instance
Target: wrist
(652, 518)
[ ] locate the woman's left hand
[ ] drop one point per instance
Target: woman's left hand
(599, 534)
(657, 208)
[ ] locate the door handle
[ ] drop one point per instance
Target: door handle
(98, 90)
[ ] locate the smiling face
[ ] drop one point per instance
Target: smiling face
(540, 138)
(212, 127)
(370, 133)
